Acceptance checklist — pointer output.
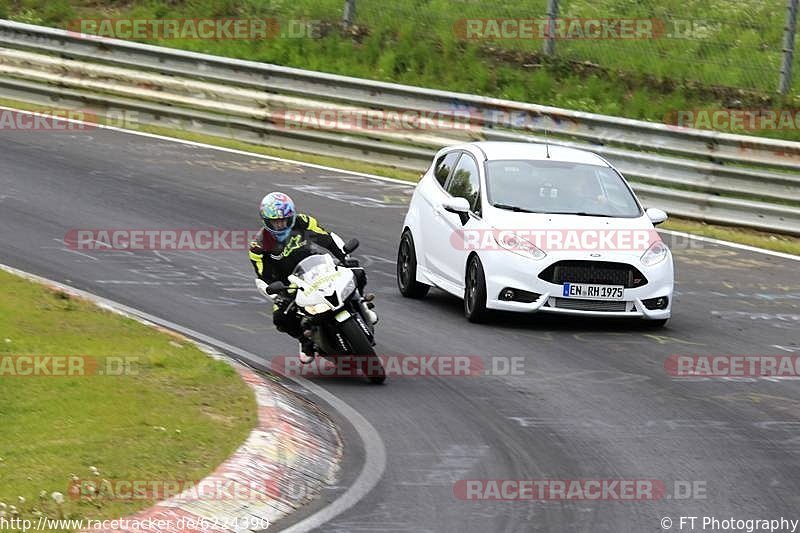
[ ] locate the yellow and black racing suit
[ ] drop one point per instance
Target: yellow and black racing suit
(274, 261)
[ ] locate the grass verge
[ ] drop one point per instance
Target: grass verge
(769, 241)
(169, 413)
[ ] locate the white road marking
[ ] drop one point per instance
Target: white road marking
(371, 176)
(729, 244)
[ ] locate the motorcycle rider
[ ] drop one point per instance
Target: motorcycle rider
(280, 246)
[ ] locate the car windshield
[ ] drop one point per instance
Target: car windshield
(559, 187)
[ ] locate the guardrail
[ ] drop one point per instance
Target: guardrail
(715, 177)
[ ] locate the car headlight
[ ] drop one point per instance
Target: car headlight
(655, 254)
(512, 242)
(317, 308)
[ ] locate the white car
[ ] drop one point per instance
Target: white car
(534, 228)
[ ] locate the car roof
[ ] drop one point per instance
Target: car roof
(496, 150)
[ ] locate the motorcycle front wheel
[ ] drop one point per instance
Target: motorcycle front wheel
(361, 347)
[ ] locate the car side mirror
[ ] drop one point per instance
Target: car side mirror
(351, 245)
(459, 206)
(656, 216)
(276, 287)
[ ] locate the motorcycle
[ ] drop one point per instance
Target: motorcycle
(333, 312)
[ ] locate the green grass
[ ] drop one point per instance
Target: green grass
(732, 61)
(177, 418)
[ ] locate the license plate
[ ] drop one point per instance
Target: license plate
(591, 291)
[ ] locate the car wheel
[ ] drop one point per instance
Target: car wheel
(475, 292)
(407, 269)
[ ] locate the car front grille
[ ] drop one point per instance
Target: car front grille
(599, 272)
(590, 305)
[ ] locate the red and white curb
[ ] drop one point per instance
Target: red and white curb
(292, 453)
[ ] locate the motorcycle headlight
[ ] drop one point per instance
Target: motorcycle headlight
(519, 245)
(317, 308)
(655, 254)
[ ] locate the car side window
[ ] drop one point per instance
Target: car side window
(443, 167)
(465, 182)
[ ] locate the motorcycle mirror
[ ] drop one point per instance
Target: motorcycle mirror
(351, 245)
(276, 287)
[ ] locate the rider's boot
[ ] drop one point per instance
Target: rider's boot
(306, 349)
(366, 308)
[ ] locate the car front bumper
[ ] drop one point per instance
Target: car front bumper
(509, 270)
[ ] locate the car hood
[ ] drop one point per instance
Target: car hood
(639, 231)
(502, 219)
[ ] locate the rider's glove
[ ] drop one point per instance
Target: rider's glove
(256, 248)
(261, 285)
(350, 263)
(283, 301)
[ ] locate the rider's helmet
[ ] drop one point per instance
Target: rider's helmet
(277, 212)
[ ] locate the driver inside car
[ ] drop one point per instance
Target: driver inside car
(284, 241)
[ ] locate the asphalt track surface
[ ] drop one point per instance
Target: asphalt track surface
(593, 400)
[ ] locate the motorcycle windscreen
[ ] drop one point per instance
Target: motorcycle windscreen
(314, 266)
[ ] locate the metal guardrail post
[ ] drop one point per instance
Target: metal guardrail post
(349, 13)
(550, 41)
(788, 47)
